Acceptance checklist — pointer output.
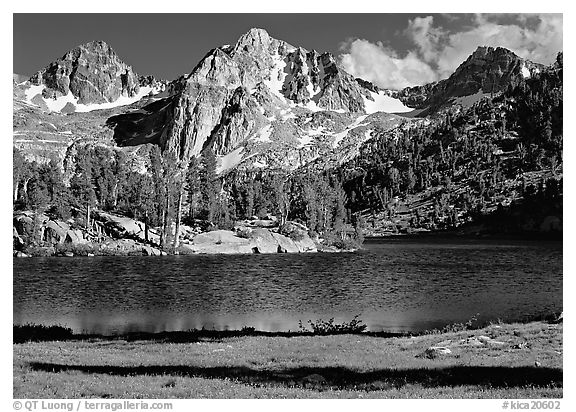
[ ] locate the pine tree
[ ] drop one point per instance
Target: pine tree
(339, 210)
(81, 184)
(192, 187)
(209, 184)
(280, 184)
(20, 171)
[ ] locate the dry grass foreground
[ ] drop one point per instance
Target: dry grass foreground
(499, 361)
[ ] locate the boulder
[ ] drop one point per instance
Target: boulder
(75, 236)
(298, 233)
(23, 225)
(486, 340)
(17, 241)
(471, 341)
(285, 244)
(219, 241)
(305, 244)
(55, 231)
(264, 223)
(120, 226)
(150, 251)
(122, 247)
(258, 240)
(434, 352)
(27, 222)
(263, 241)
(218, 236)
(480, 341)
(188, 233)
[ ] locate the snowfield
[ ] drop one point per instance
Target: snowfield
(56, 105)
(229, 160)
(277, 77)
(338, 137)
(384, 103)
(263, 135)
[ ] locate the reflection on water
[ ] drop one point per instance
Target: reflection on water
(394, 285)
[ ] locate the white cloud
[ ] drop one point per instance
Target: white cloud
(437, 52)
(426, 37)
(378, 64)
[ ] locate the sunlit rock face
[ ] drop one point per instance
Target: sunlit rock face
(487, 71)
(92, 73)
(243, 95)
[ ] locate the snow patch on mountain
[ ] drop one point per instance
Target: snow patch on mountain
(32, 91)
(230, 160)
(310, 135)
(277, 77)
(263, 135)
(311, 105)
(287, 114)
(260, 164)
(56, 105)
(384, 103)
(338, 137)
(526, 71)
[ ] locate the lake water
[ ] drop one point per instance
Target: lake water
(394, 285)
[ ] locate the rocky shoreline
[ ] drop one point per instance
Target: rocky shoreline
(113, 235)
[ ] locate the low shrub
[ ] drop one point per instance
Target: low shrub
(39, 251)
(244, 233)
(329, 327)
(470, 324)
(35, 333)
(334, 239)
(183, 250)
(292, 232)
(78, 249)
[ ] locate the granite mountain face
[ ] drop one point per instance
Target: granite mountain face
(257, 95)
(88, 77)
(260, 103)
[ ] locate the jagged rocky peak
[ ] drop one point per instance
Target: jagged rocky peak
(486, 71)
(491, 69)
(93, 73)
(242, 92)
(255, 40)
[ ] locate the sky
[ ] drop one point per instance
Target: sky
(391, 50)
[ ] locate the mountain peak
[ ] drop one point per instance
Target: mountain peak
(95, 44)
(257, 32)
(255, 38)
(492, 52)
(486, 71)
(92, 73)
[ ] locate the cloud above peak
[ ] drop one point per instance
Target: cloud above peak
(437, 51)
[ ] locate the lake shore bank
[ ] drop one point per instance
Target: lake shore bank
(511, 360)
(113, 235)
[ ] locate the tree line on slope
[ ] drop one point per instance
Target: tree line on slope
(164, 192)
(463, 162)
